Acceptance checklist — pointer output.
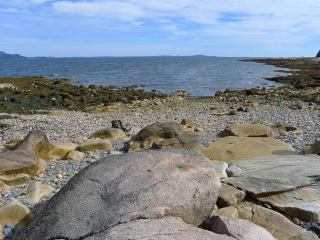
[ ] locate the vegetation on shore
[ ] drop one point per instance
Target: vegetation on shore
(29, 94)
(26, 94)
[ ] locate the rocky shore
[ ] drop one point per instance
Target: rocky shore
(286, 115)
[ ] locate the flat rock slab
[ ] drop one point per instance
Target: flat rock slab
(122, 188)
(168, 228)
(302, 203)
(229, 149)
(247, 130)
(267, 176)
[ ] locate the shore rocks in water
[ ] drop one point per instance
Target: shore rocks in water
(123, 188)
(247, 130)
(229, 149)
(164, 135)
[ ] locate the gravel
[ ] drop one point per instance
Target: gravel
(61, 125)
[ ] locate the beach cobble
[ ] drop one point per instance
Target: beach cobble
(61, 125)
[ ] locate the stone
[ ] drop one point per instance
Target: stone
(74, 155)
(315, 148)
(15, 213)
(4, 188)
(38, 141)
(133, 131)
(164, 135)
(96, 144)
(36, 191)
(275, 223)
(12, 143)
(229, 149)
(290, 128)
(247, 130)
(8, 232)
(239, 229)
(128, 187)
(188, 122)
(77, 139)
(17, 167)
(221, 168)
(229, 212)
(187, 129)
(305, 236)
(111, 133)
(271, 175)
(302, 203)
(168, 228)
(229, 196)
(278, 127)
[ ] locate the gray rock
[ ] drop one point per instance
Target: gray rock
(164, 135)
(239, 229)
(127, 187)
(168, 228)
(275, 174)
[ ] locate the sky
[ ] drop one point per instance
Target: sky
(226, 28)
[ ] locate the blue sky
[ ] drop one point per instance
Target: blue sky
(231, 28)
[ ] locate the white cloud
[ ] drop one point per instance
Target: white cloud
(109, 9)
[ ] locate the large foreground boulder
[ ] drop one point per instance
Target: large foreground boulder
(39, 142)
(229, 149)
(122, 188)
(164, 135)
(247, 130)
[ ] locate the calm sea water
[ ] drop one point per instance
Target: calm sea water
(200, 76)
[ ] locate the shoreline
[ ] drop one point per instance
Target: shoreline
(260, 106)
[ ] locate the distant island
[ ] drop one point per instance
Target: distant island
(4, 55)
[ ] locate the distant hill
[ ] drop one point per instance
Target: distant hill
(4, 55)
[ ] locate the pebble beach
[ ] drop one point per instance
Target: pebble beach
(67, 126)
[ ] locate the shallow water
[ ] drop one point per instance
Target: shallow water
(200, 76)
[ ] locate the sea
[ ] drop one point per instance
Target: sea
(199, 76)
